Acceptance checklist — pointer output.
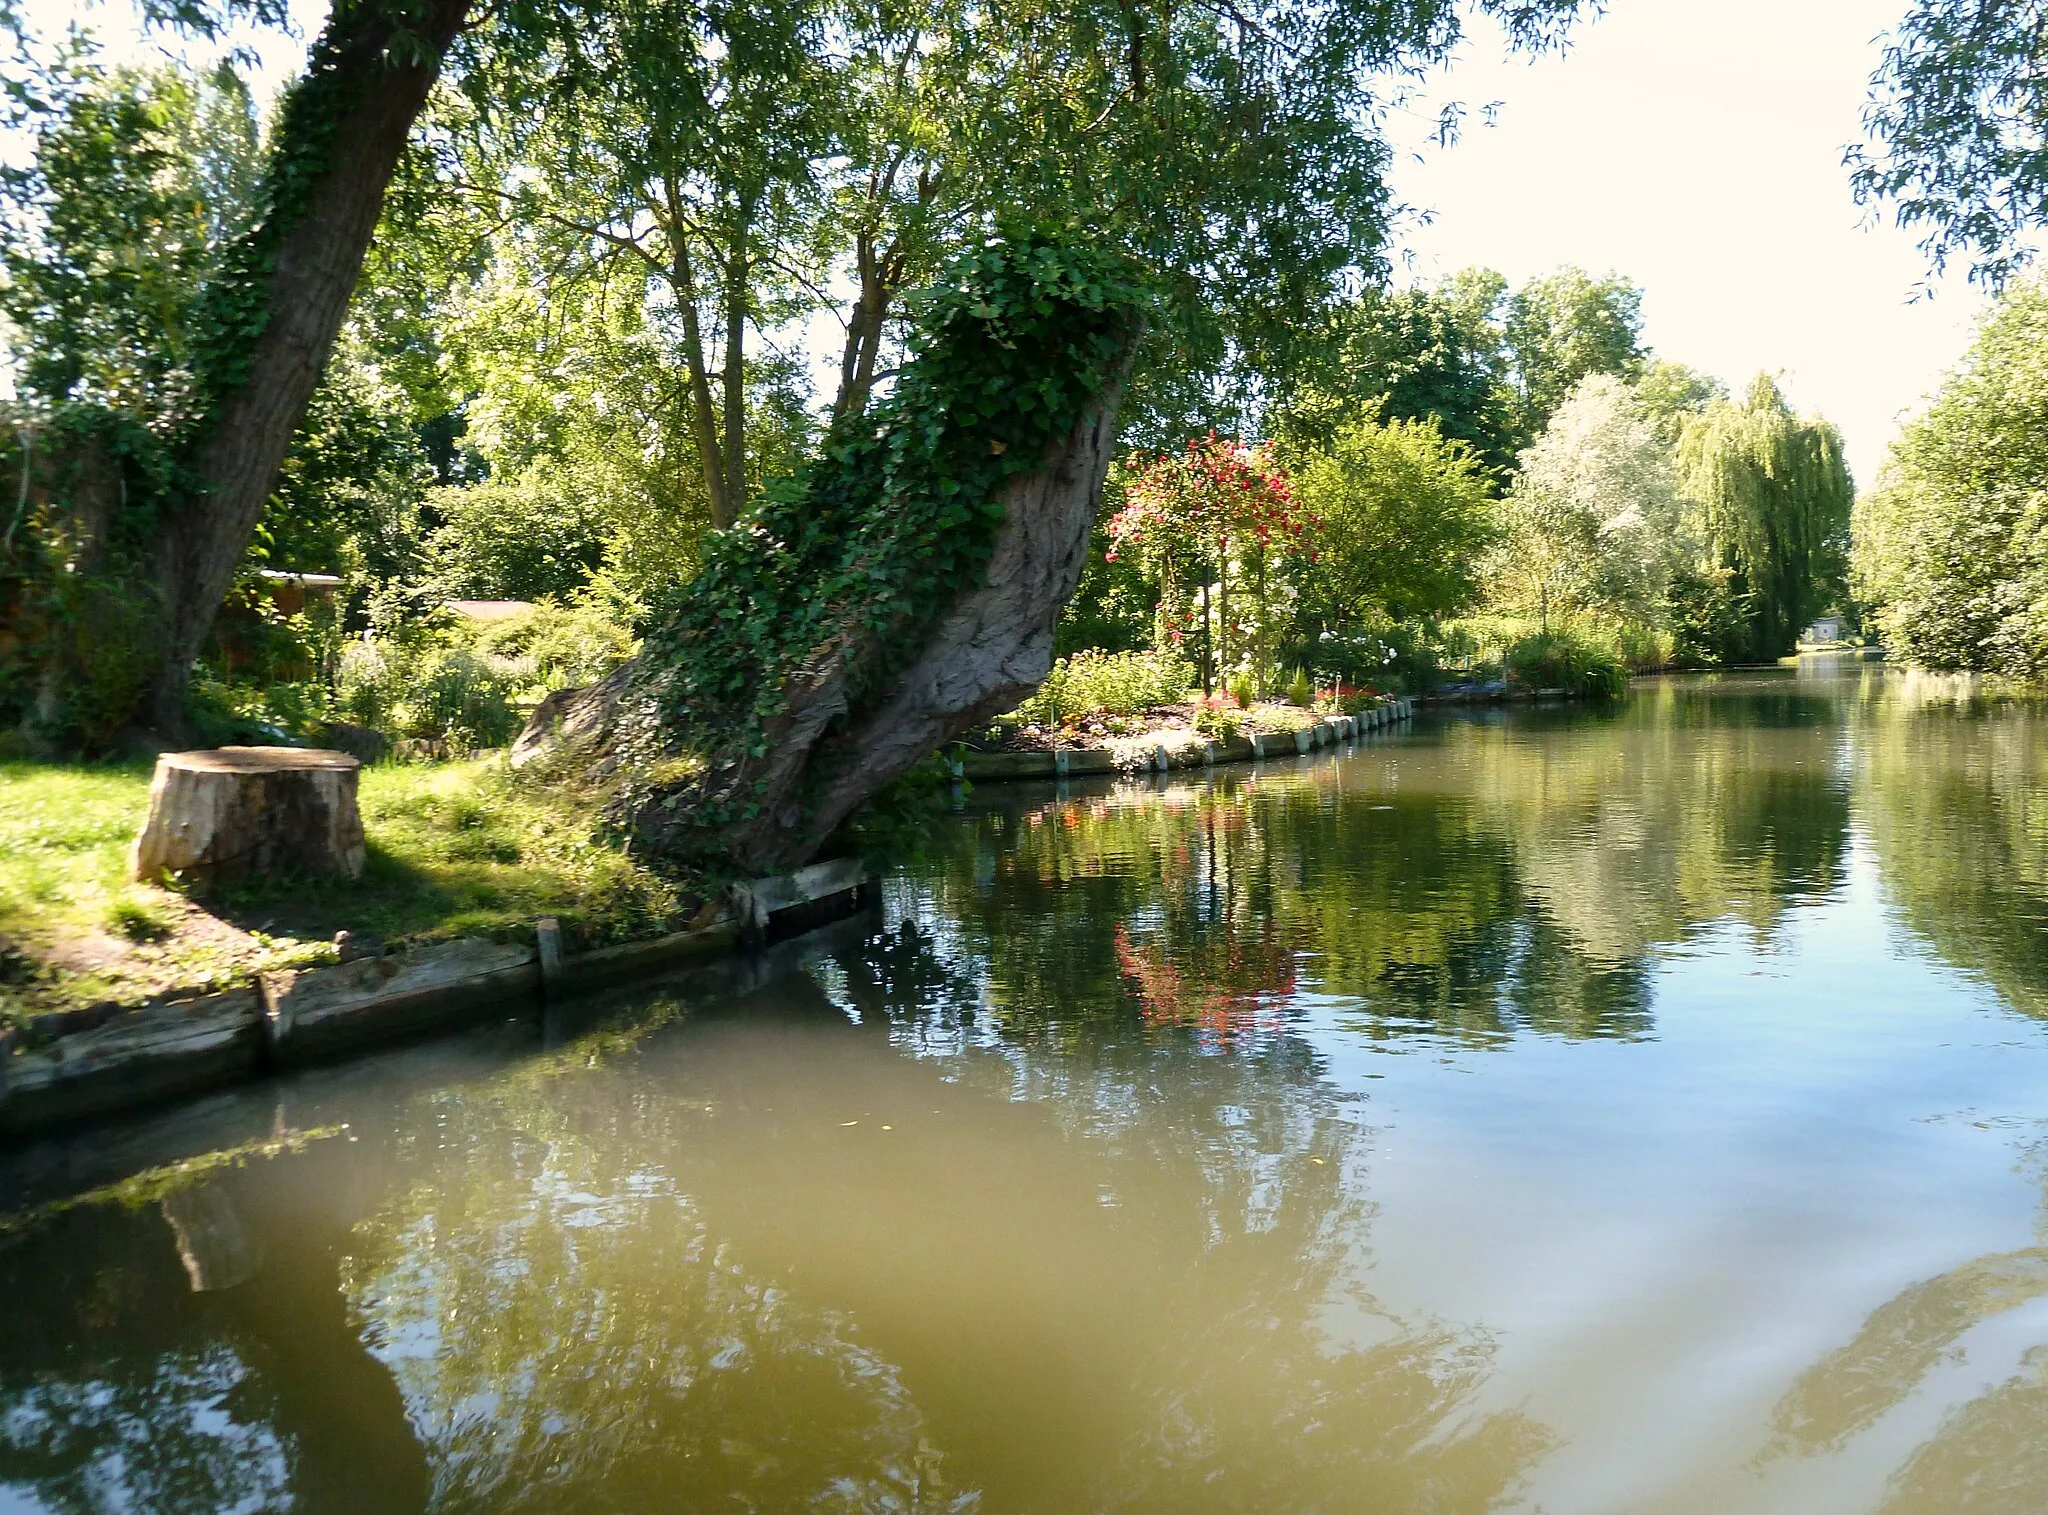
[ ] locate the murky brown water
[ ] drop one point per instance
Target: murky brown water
(1593, 1114)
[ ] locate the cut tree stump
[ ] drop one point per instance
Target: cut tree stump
(231, 814)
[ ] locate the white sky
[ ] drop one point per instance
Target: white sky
(1696, 148)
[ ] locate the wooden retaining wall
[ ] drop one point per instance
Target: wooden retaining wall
(72, 1067)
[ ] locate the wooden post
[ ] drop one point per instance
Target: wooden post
(231, 814)
(549, 934)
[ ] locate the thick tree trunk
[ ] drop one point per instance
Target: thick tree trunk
(373, 68)
(983, 656)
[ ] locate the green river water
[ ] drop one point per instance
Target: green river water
(1591, 1112)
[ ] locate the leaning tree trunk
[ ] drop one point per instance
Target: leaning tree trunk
(337, 146)
(984, 656)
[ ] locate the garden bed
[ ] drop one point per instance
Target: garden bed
(1171, 737)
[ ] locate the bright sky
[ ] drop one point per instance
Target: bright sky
(1696, 148)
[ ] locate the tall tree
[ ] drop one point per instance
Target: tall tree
(1592, 521)
(1403, 518)
(1434, 355)
(1564, 326)
(1770, 494)
(252, 326)
(1950, 551)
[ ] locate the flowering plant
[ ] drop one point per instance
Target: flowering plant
(1212, 513)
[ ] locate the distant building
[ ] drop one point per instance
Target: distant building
(291, 592)
(1827, 629)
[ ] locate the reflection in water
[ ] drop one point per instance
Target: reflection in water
(1065, 1189)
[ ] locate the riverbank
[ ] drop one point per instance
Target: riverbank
(454, 850)
(480, 895)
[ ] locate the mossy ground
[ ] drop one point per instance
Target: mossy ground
(455, 849)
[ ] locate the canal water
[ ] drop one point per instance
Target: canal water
(1589, 1112)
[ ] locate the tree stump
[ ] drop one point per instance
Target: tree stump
(231, 814)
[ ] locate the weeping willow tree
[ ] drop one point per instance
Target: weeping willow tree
(1770, 495)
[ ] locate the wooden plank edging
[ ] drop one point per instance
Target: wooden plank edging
(142, 1055)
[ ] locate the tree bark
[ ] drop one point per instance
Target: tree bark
(373, 68)
(235, 813)
(703, 418)
(983, 656)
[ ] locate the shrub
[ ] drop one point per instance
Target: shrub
(1108, 683)
(1300, 690)
(557, 646)
(1242, 690)
(428, 693)
(516, 540)
(1219, 722)
(1567, 660)
(1644, 649)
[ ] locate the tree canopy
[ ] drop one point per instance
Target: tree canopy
(1770, 498)
(1958, 142)
(1949, 547)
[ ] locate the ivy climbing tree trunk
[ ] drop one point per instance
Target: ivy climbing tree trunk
(902, 591)
(281, 302)
(826, 751)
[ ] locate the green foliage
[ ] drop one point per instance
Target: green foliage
(428, 693)
(138, 182)
(520, 539)
(1486, 367)
(1710, 617)
(1950, 549)
(459, 683)
(1569, 660)
(1958, 142)
(347, 500)
(1300, 690)
(1107, 683)
(879, 535)
(1115, 603)
(1592, 525)
(1243, 691)
(1431, 355)
(1770, 498)
(1568, 325)
(1403, 517)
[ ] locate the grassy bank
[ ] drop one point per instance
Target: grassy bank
(453, 849)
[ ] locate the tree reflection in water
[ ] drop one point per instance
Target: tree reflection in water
(1045, 1198)
(776, 1262)
(1491, 882)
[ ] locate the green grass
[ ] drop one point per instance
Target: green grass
(455, 849)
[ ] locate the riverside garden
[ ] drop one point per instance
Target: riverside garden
(1222, 880)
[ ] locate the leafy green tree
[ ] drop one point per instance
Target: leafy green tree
(1769, 496)
(1592, 521)
(1403, 518)
(1567, 325)
(236, 320)
(1436, 355)
(513, 540)
(138, 181)
(1672, 394)
(1949, 549)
